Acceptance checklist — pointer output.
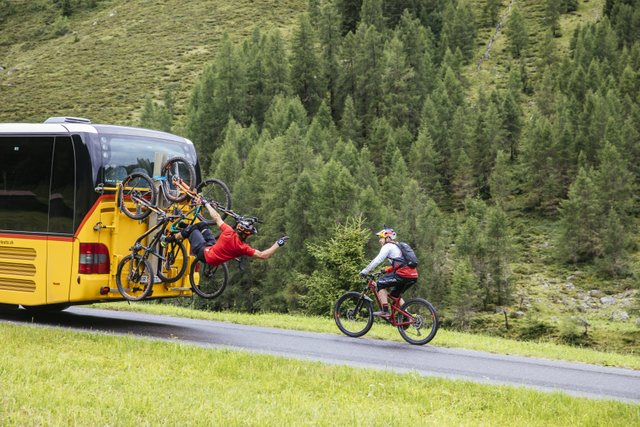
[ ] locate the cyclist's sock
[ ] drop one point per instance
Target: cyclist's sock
(385, 308)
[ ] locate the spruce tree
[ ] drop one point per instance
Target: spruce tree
(518, 37)
(398, 85)
(580, 221)
(464, 296)
(350, 124)
(371, 14)
(306, 75)
(501, 181)
(616, 242)
(330, 39)
(433, 243)
(498, 258)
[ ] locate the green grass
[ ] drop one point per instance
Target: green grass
(57, 377)
(444, 338)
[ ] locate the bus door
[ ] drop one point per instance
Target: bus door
(60, 241)
(25, 175)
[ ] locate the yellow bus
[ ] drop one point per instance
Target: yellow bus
(61, 233)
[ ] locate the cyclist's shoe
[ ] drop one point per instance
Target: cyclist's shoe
(382, 314)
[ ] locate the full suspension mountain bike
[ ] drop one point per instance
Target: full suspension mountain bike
(416, 320)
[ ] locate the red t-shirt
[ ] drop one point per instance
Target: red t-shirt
(228, 246)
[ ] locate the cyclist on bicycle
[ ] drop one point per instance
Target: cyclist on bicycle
(398, 277)
(229, 245)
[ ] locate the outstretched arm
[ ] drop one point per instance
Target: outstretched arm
(268, 252)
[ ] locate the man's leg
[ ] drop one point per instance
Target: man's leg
(198, 243)
(386, 281)
(208, 236)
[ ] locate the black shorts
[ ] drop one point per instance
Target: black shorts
(396, 284)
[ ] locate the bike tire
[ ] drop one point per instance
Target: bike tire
(215, 190)
(172, 268)
(212, 280)
(426, 321)
(130, 278)
(353, 314)
(178, 167)
(135, 186)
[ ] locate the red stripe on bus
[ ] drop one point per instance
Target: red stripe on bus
(36, 237)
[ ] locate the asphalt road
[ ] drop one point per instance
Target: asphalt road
(429, 360)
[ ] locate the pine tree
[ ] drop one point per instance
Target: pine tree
(517, 33)
(616, 242)
(464, 297)
(371, 14)
(397, 85)
(501, 181)
(350, 124)
(432, 248)
(368, 63)
(615, 183)
(418, 48)
(350, 12)
(579, 221)
(282, 113)
(276, 67)
(459, 29)
(552, 16)
(330, 39)
(306, 79)
(498, 257)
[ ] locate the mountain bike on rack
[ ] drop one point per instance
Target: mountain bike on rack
(416, 320)
(135, 277)
(139, 186)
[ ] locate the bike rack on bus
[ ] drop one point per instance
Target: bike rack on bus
(114, 228)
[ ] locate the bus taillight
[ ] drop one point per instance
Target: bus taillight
(94, 258)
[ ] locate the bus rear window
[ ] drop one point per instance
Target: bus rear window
(122, 155)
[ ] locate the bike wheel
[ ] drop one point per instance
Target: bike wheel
(422, 324)
(353, 314)
(208, 281)
(177, 167)
(135, 188)
(172, 267)
(215, 190)
(134, 278)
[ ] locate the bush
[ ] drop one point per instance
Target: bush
(340, 259)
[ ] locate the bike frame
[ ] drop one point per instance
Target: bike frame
(395, 305)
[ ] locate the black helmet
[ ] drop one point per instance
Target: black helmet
(246, 227)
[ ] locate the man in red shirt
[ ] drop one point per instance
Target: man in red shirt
(229, 245)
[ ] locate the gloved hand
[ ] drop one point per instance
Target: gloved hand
(362, 274)
(281, 241)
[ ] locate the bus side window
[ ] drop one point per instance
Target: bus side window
(62, 196)
(25, 170)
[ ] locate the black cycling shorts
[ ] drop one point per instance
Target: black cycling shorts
(396, 284)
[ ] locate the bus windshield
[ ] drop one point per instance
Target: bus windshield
(124, 154)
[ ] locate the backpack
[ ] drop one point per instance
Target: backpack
(408, 254)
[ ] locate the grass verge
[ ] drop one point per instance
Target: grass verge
(54, 376)
(444, 338)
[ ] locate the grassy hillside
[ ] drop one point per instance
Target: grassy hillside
(115, 54)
